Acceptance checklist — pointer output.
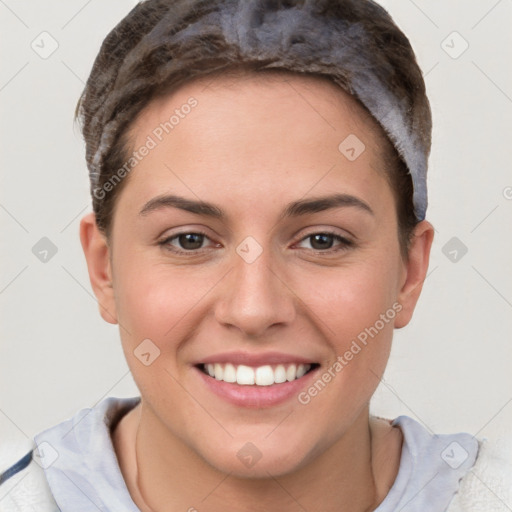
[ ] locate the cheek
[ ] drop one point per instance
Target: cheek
(157, 300)
(355, 308)
(159, 303)
(356, 317)
(349, 299)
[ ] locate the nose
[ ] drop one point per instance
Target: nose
(255, 295)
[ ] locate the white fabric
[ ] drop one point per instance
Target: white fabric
(487, 487)
(431, 467)
(27, 491)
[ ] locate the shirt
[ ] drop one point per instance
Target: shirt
(83, 473)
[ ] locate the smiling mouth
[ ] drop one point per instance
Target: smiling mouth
(265, 375)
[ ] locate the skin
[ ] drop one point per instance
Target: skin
(178, 449)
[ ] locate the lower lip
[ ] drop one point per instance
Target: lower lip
(256, 396)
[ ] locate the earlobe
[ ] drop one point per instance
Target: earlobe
(415, 272)
(97, 255)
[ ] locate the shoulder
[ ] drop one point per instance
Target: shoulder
(23, 484)
(488, 484)
(34, 473)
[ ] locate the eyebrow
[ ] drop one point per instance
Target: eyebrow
(293, 209)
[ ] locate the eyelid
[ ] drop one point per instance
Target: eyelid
(184, 230)
(315, 228)
(345, 242)
(328, 230)
(165, 241)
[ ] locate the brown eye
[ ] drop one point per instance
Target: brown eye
(190, 241)
(324, 241)
(321, 241)
(184, 242)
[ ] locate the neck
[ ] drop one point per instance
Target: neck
(163, 473)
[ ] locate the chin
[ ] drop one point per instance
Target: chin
(248, 462)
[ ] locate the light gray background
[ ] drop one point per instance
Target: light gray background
(450, 368)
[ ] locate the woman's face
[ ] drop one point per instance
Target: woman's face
(297, 261)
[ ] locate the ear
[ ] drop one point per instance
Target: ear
(97, 255)
(415, 272)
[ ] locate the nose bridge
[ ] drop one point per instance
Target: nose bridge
(255, 297)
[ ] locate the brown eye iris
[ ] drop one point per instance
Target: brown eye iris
(191, 241)
(321, 241)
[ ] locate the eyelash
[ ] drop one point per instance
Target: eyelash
(345, 243)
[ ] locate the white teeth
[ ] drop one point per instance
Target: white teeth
(229, 373)
(301, 371)
(280, 374)
(219, 371)
(244, 375)
(264, 376)
(261, 376)
(291, 373)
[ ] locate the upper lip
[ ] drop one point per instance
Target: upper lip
(254, 359)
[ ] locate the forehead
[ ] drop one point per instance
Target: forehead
(320, 95)
(256, 135)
